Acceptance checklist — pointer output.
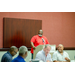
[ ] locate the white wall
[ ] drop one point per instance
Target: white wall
(70, 52)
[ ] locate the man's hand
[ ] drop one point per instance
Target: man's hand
(67, 59)
(34, 47)
(48, 61)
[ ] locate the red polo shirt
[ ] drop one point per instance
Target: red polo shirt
(37, 40)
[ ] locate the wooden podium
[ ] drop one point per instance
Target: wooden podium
(38, 48)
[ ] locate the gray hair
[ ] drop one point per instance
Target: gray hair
(47, 45)
(23, 50)
(12, 48)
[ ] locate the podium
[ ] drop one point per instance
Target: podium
(38, 48)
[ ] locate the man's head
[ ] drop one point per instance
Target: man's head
(47, 49)
(60, 48)
(23, 51)
(13, 50)
(40, 33)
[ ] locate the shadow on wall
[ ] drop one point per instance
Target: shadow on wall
(17, 39)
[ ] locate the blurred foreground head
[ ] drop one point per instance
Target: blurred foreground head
(23, 51)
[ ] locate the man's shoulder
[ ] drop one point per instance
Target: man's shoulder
(17, 60)
(39, 53)
(35, 36)
(6, 55)
(65, 52)
(44, 37)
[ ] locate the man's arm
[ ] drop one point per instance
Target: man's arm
(46, 40)
(57, 61)
(8, 59)
(33, 41)
(33, 45)
(67, 60)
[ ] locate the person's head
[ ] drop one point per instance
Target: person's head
(13, 50)
(23, 51)
(47, 49)
(60, 48)
(40, 33)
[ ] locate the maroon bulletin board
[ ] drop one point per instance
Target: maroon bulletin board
(19, 32)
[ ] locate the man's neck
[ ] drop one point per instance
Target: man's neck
(61, 53)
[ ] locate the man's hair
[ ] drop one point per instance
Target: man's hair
(47, 45)
(12, 48)
(22, 50)
(61, 45)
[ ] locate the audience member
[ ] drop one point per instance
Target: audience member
(44, 54)
(7, 57)
(22, 54)
(60, 55)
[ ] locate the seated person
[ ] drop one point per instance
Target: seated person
(44, 54)
(22, 54)
(7, 57)
(60, 55)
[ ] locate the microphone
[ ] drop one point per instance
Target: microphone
(43, 40)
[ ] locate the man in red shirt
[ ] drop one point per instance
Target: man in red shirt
(38, 40)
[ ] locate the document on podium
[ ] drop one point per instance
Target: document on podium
(37, 49)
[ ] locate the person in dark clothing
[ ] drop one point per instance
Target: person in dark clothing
(7, 57)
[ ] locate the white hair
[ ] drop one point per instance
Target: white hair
(23, 49)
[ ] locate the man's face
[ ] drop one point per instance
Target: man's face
(47, 50)
(14, 52)
(60, 48)
(40, 33)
